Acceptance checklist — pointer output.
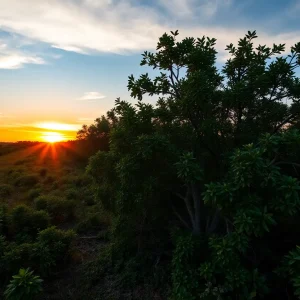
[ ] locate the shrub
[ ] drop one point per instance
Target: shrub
(88, 196)
(43, 172)
(5, 190)
(92, 222)
(56, 238)
(34, 193)
(27, 180)
(24, 286)
(72, 194)
(13, 174)
(24, 219)
(15, 255)
(58, 208)
(78, 181)
(49, 179)
(52, 247)
(3, 219)
(40, 203)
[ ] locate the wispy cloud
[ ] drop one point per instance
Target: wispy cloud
(89, 26)
(16, 61)
(11, 57)
(69, 48)
(91, 96)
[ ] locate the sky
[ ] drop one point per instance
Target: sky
(64, 62)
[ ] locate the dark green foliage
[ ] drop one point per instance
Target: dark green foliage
(3, 219)
(216, 155)
(94, 137)
(27, 180)
(59, 209)
(14, 256)
(5, 191)
(51, 248)
(290, 269)
(23, 286)
(40, 203)
(34, 193)
(91, 223)
(25, 220)
(188, 254)
(72, 194)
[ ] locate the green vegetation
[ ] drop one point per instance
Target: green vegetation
(195, 197)
(23, 286)
(30, 208)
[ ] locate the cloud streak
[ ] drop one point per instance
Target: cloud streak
(127, 26)
(91, 96)
(16, 61)
(12, 56)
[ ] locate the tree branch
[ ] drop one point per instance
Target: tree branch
(180, 218)
(285, 121)
(187, 204)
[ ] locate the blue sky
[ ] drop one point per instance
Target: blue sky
(68, 60)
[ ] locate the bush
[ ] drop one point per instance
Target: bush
(88, 196)
(49, 179)
(3, 219)
(43, 172)
(58, 208)
(34, 193)
(72, 194)
(24, 219)
(14, 256)
(40, 203)
(52, 247)
(78, 181)
(24, 286)
(13, 174)
(92, 222)
(27, 180)
(5, 190)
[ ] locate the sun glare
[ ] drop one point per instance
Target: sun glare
(53, 137)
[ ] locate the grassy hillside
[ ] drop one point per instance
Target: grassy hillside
(48, 178)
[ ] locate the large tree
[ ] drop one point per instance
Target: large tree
(205, 112)
(173, 161)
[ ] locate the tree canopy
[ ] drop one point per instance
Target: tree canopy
(217, 156)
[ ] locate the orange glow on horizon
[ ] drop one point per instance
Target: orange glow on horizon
(57, 126)
(44, 132)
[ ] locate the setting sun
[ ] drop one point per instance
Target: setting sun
(53, 137)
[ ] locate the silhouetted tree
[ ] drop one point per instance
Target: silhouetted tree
(184, 158)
